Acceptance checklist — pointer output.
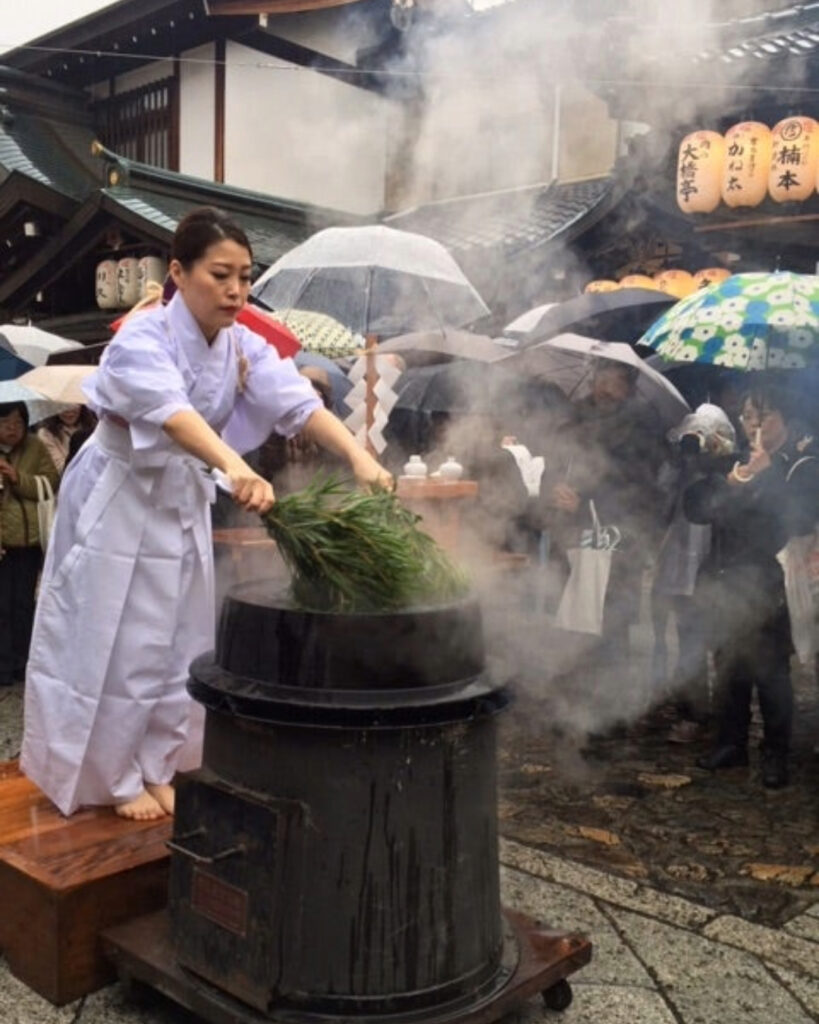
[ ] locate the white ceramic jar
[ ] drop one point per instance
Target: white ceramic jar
(416, 467)
(451, 469)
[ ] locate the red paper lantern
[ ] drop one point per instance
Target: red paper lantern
(699, 172)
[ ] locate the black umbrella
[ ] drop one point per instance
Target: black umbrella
(623, 315)
(429, 394)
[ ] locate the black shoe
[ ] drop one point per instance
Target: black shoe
(727, 756)
(774, 770)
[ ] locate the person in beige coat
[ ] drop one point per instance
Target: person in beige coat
(22, 458)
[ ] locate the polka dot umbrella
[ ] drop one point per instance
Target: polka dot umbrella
(751, 321)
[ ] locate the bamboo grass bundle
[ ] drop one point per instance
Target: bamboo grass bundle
(358, 551)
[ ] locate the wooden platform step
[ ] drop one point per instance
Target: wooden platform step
(64, 880)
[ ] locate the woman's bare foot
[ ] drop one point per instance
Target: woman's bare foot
(163, 794)
(144, 807)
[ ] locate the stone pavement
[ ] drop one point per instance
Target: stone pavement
(658, 958)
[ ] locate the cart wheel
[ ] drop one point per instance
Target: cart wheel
(559, 996)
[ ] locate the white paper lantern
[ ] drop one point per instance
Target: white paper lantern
(151, 268)
(106, 285)
(128, 281)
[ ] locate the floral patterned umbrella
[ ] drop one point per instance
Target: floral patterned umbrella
(748, 322)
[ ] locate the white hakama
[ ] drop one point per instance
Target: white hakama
(127, 596)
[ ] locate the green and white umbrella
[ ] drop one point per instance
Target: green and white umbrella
(749, 321)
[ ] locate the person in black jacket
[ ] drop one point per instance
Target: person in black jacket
(753, 509)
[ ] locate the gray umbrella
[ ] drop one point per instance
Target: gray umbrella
(424, 347)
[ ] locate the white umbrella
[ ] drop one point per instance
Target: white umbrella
(32, 344)
(39, 408)
(58, 383)
(527, 321)
(569, 361)
(374, 280)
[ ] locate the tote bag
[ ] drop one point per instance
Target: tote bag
(46, 507)
(581, 605)
(800, 563)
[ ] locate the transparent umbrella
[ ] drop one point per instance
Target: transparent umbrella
(569, 361)
(33, 344)
(39, 408)
(373, 279)
(58, 383)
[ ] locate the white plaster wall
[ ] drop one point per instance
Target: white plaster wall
(303, 136)
(197, 101)
(143, 76)
(337, 32)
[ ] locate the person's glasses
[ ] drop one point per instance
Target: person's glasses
(755, 419)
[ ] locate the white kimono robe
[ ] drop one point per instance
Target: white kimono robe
(126, 597)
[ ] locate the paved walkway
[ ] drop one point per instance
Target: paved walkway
(658, 959)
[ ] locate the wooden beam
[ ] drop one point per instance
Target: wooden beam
(219, 112)
(218, 8)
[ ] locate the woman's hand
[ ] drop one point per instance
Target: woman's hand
(8, 471)
(368, 472)
(251, 491)
(758, 460)
(564, 497)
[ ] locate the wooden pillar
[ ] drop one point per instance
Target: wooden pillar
(371, 378)
(219, 112)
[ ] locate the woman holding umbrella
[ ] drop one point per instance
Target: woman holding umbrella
(126, 599)
(754, 510)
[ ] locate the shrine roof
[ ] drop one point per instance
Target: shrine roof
(514, 220)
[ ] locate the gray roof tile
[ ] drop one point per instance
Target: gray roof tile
(269, 236)
(514, 220)
(47, 152)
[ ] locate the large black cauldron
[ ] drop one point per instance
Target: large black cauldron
(337, 852)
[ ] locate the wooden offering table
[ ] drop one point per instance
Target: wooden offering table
(64, 880)
(439, 503)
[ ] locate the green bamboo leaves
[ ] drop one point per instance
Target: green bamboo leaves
(358, 551)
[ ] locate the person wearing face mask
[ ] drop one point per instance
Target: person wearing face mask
(127, 595)
(753, 511)
(22, 458)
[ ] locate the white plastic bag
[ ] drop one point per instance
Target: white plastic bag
(46, 508)
(800, 561)
(584, 596)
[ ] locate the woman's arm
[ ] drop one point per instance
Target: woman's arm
(328, 431)
(190, 431)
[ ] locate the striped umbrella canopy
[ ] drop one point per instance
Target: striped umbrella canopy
(752, 321)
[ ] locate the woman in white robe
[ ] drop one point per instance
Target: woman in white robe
(126, 597)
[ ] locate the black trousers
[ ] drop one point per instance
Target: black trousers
(758, 660)
(19, 569)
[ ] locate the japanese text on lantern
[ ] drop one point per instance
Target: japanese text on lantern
(699, 172)
(794, 160)
(748, 148)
